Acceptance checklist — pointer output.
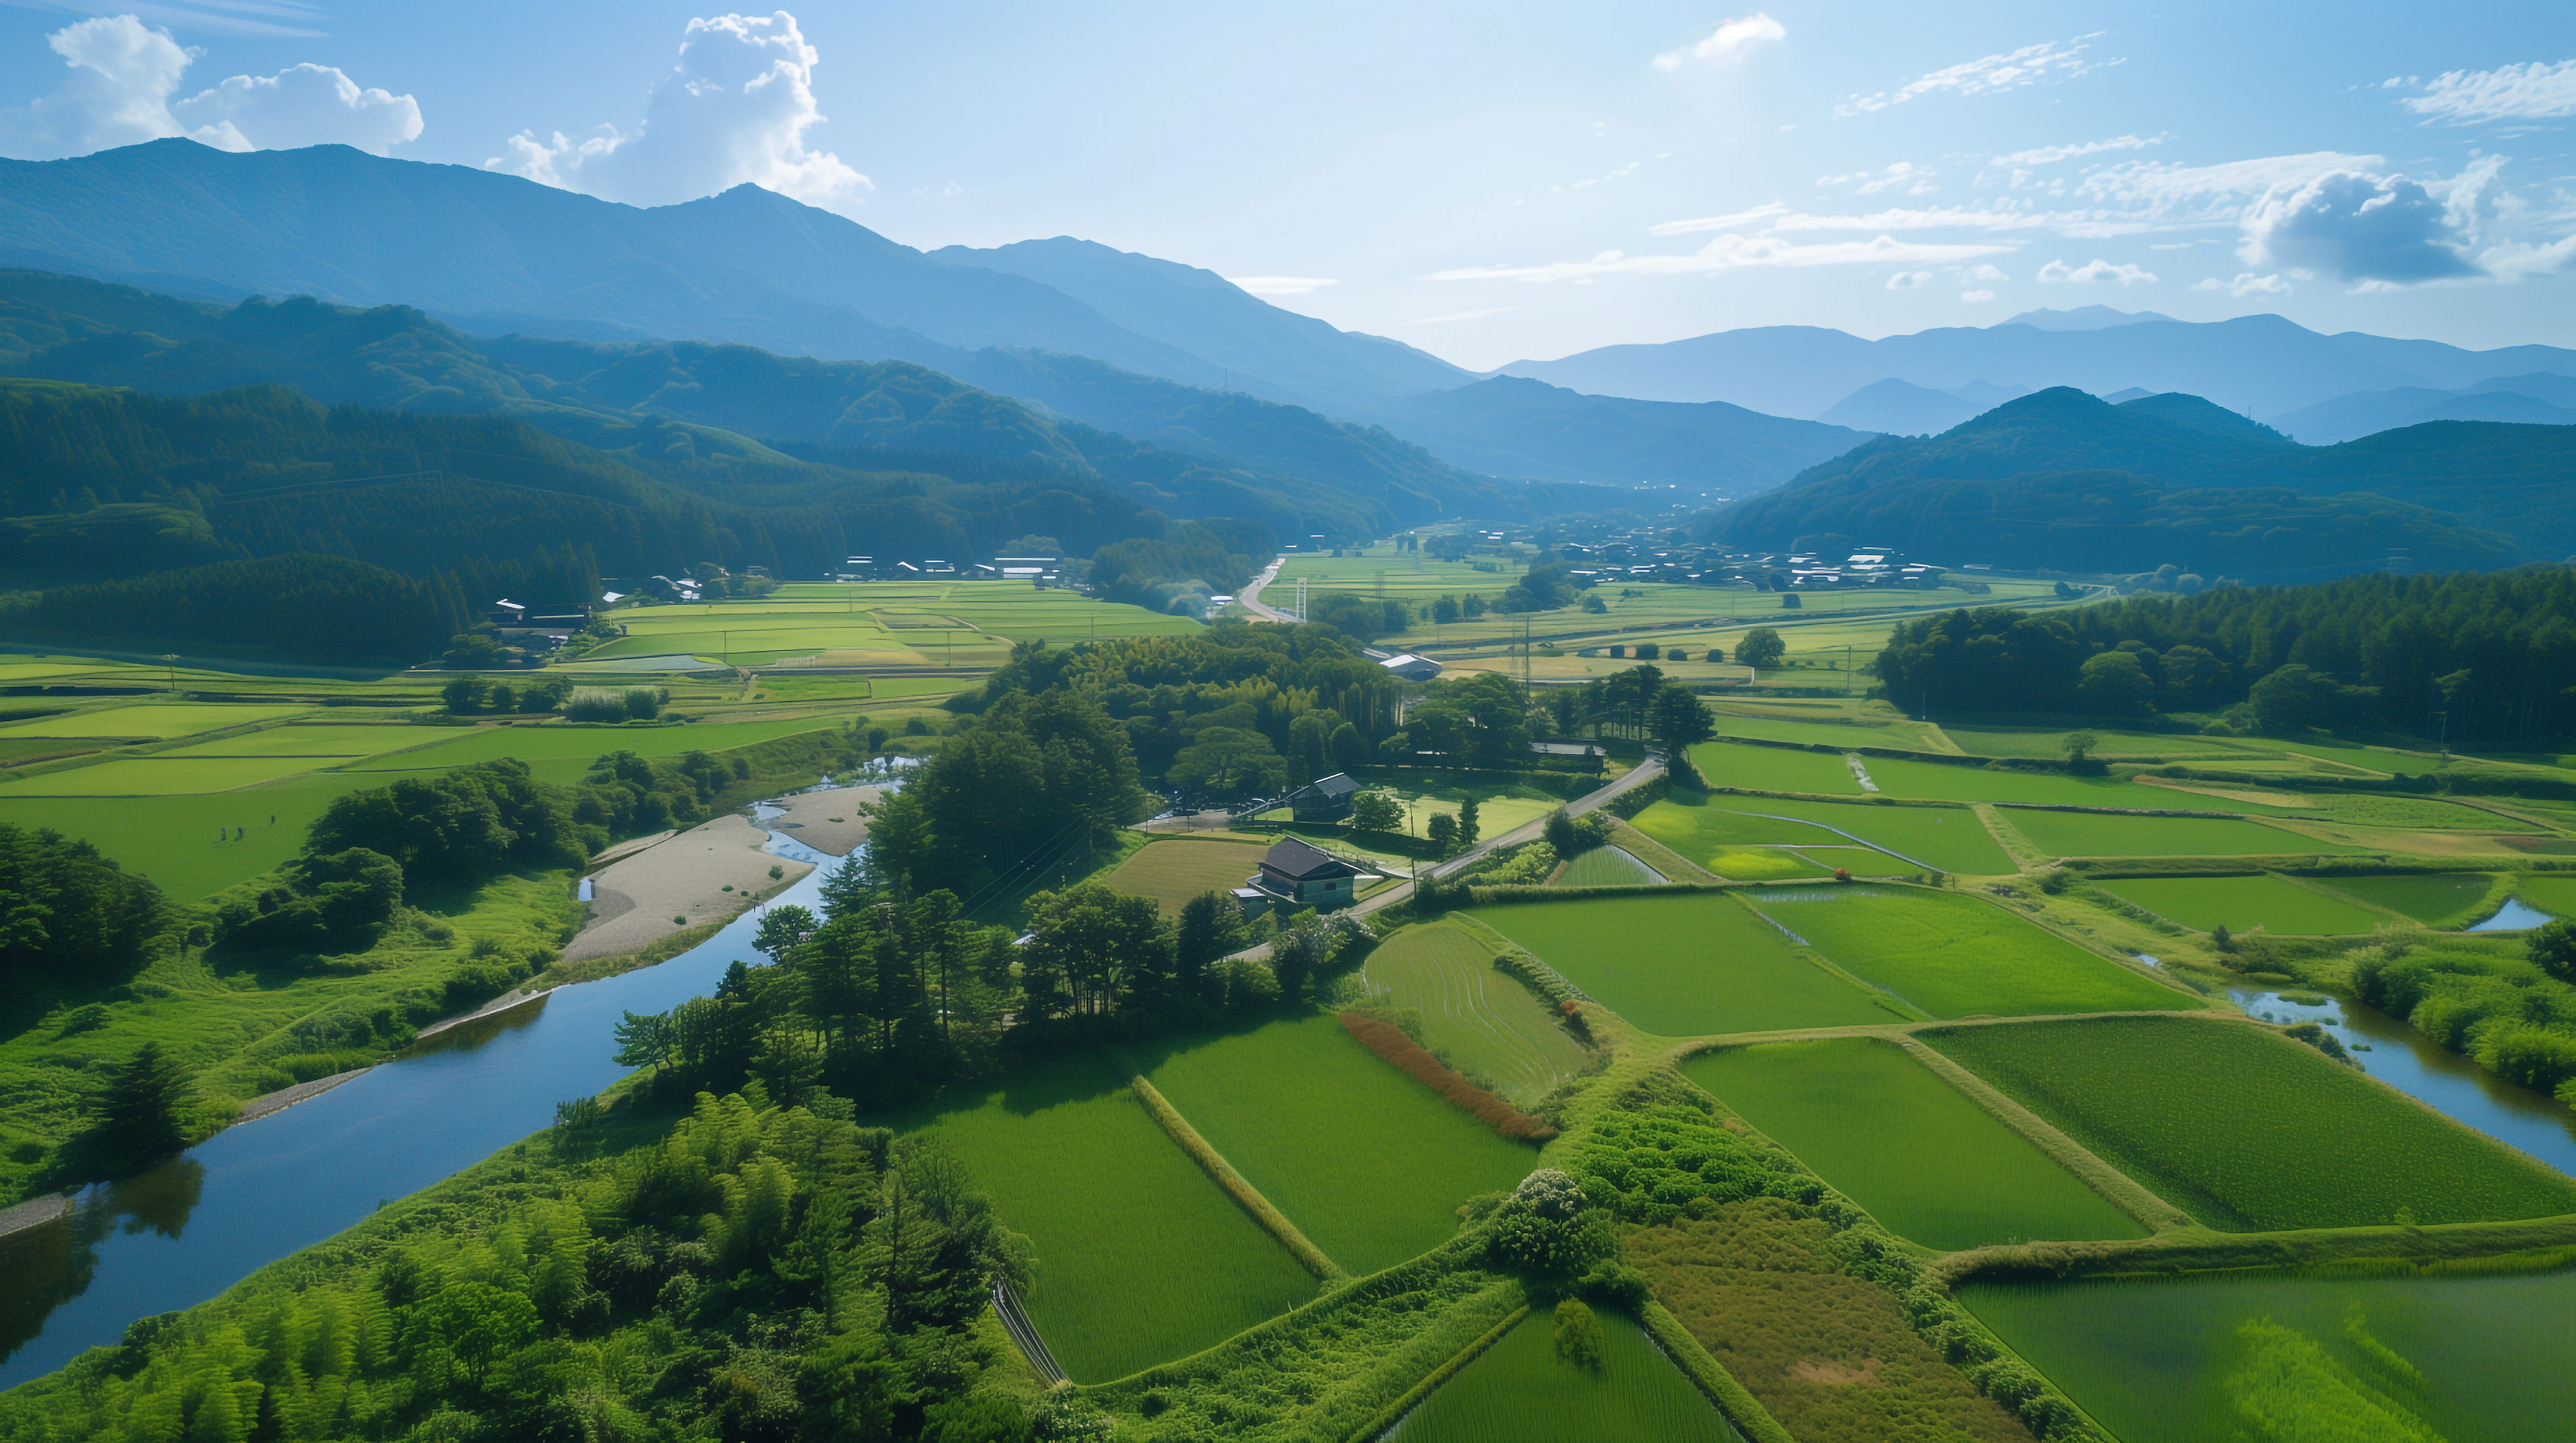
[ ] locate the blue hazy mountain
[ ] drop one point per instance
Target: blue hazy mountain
(1511, 426)
(2534, 400)
(2265, 365)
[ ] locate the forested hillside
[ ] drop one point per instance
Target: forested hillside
(2063, 480)
(2496, 652)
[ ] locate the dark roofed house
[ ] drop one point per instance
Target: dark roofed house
(1298, 874)
(1327, 799)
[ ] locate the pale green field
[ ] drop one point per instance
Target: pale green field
(318, 742)
(878, 624)
(159, 777)
(585, 743)
(149, 719)
(1482, 1021)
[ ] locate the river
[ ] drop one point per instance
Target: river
(254, 1193)
(2421, 1068)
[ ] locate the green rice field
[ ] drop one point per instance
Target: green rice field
(149, 719)
(2250, 1131)
(302, 740)
(159, 777)
(1687, 964)
(1894, 1137)
(2048, 744)
(2405, 1359)
(1368, 1163)
(1487, 1024)
(1172, 872)
(2102, 834)
(879, 623)
(1774, 769)
(2553, 895)
(1140, 1257)
(2241, 904)
(1936, 781)
(1827, 731)
(1946, 839)
(2448, 899)
(1771, 864)
(1520, 1391)
(171, 839)
(1608, 867)
(555, 742)
(1958, 956)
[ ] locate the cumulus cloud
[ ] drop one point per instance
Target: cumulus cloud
(2052, 154)
(2247, 284)
(1732, 252)
(2050, 60)
(2357, 227)
(1973, 297)
(1982, 272)
(733, 111)
(123, 77)
(1728, 42)
(2096, 269)
(1280, 285)
(1908, 280)
(2510, 92)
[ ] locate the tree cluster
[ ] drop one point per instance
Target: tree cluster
(68, 915)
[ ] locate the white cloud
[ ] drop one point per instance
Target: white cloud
(1975, 297)
(1728, 42)
(734, 111)
(2052, 154)
(2049, 60)
(2096, 269)
(305, 105)
(2187, 194)
(1732, 252)
(231, 17)
(1908, 280)
(125, 73)
(2511, 92)
(1719, 222)
(2247, 284)
(2514, 261)
(1904, 175)
(1983, 272)
(2358, 227)
(1280, 285)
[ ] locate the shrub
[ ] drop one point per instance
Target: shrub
(595, 704)
(1578, 1335)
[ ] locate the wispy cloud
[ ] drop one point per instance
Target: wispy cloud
(2247, 284)
(1733, 252)
(2509, 92)
(1281, 285)
(2050, 60)
(2096, 269)
(1728, 41)
(1904, 175)
(1909, 280)
(1976, 297)
(1719, 222)
(1461, 316)
(283, 19)
(2052, 154)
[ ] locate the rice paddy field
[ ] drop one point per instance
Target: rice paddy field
(1953, 955)
(1140, 1257)
(2048, 744)
(1828, 729)
(1520, 1391)
(159, 720)
(1774, 769)
(2242, 904)
(1369, 1164)
(2103, 834)
(1895, 1138)
(171, 839)
(2448, 899)
(876, 624)
(1173, 870)
(1687, 964)
(2278, 1355)
(1487, 1024)
(305, 740)
(1773, 864)
(557, 742)
(1608, 867)
(1944, 782)
(2553, 895)
(2250, 1131)
(1706, 829)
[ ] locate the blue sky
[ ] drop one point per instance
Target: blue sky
(1488, 181)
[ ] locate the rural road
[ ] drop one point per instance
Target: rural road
(1250, 595)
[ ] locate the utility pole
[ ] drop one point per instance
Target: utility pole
(170, 659)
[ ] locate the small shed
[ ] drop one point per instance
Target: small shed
(1411, 667)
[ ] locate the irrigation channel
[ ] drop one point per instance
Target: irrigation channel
(251, 1194)
(2421, 1068)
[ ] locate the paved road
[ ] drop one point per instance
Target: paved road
(1250, 595)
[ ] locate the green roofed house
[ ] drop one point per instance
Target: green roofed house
(1297, 874)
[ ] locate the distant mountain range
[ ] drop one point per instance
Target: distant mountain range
(2262, 365)
(2066, 480)
(2540, 399)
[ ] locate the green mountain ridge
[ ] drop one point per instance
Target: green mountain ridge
(2062, 480)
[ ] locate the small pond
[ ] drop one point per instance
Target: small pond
(2513, 916)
